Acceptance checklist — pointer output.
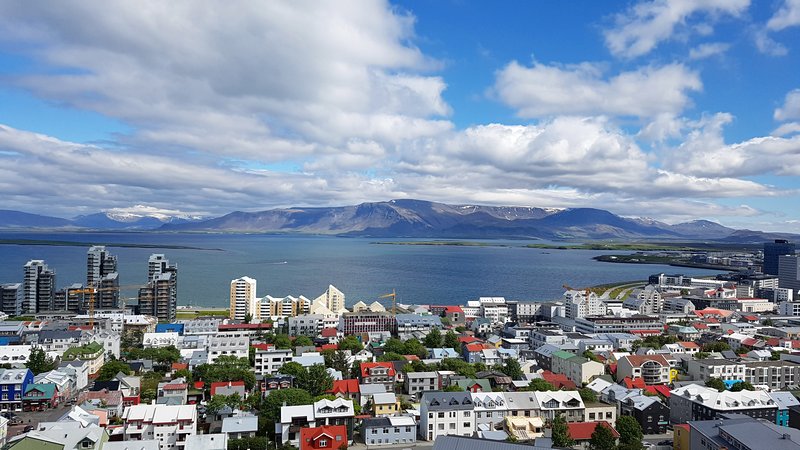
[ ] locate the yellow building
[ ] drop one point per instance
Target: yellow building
(680, 437)
(385, 404)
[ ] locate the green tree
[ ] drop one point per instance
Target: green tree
(512, 368)
(716, 347)
(630, 432)
(602, 438)
(337, 360)
(294, 369)
(701, 355)
(111, 369)
(453, 388)
(250, 443)
(588, 395)
(131, 339)
(282, 341)
(302, 341)
(39, 362)
(742, 386)
(561, 437)
(415, 347)
(248, 318)
(318, 381)
(433, 339)
(355, 371)
(451, 341)
(351, 343)
(226, 368)
(458, 366)
(391, 357)
(394, 345)
(539, 384)
(591, 356)
(716, 383)
(184, 373)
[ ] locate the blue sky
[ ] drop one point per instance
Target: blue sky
(675, 110)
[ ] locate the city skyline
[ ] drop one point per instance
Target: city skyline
(674, 110)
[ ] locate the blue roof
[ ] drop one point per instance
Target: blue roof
(170, 327)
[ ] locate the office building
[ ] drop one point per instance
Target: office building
(789, 273)
(772, 253)
(243, 299)
(159, 298)
(39, 287)
(367, 322)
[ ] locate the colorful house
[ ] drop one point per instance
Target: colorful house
(323, 438)
(385, 404)
(13, 383)
(40, 396)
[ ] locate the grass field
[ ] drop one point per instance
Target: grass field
(188, 314)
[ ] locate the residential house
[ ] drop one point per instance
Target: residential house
(335, 412)
(268, 362)
(173, 392)
(13, 384)
(582, 432)
(347, 389)
(292, 420)
(66, 435)
(378, 373)
(103, 400)
(739, 432)
(417, 382)
(649, 411)
(489, 408)
(239, 427)
(576, 368)
(385, 404)
(568, 403)
(784, 401)
(93, 353)
(383, 431)
(229, 388)
(653, 369)
(324, 437)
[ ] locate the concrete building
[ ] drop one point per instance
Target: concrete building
(490, 408)
(653, 369)
(306, 324)
(243, 301)
(789, 273)
(776, 375)
(268, 362)
(739, 432)
(575, 367)
(12, 298)
(577, 304)
(446, 413)
(234, 343)
(417, 382)
(333, 299)
(772, 253)
(367, 322)
(13, 384)
(169, 425)
(637, 323)
(288, 306)
(159, 297)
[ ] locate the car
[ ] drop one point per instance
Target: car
(15, 421)
(28, 428)
(666, 442)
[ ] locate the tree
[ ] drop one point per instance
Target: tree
(226, 368)
(111, 369)
(337, 360)
(716, 347)
(282, 341)
(351, 343)
(512, 368)
(540, 384)
(742, 386)
(251, 443)
(394, 345)
(602, 438)
(561, 437)
(294, 369)
(433, 339)
(248, 318)
(131, 339)
(451, 341)
(630, 432)
(701, 355)
(453, 388)
(302, 341)
(355, 371)
(39, 362)
(716, 383)
(588, 395)
(218, 402)
(386, 357)
(318, 381)
(589, 355)
(415, 347)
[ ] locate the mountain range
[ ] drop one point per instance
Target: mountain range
(411, 218)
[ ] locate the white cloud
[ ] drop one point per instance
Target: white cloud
(708, 50)
(786, 129)
(648, 23)
(705, 153)
(769, 46)
(787, 16)
(543, 90)
(791, 107)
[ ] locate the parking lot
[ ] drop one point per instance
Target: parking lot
(33, 418)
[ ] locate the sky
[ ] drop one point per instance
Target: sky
(669, 109)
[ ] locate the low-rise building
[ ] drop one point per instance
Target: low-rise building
(268, 362)
(385, 404)
(93, 354)
(13, 384)
(695, 402)
(382, 431)
(323, 437)
(378, 373)
(232, 343)
(653, 369)
(169, 425)
(576, 368)
(742, 433)
(417, 382)
(446, 413)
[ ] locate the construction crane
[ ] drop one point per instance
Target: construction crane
(92, 290)
(393, 296)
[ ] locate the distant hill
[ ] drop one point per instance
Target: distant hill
(412, 218)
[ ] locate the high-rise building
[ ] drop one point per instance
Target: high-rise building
(243, 299)
(333, 299)
(11, 296)
(101, 272)
(772, 252)
(159, 298)
(70, 299)
(789, 276)
(39, 287)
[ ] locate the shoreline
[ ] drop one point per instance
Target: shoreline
(54, 243)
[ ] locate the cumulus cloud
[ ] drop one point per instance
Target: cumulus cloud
(708, 50)
(648, 23)
(543, 90)
(791, 107)
(787, 16)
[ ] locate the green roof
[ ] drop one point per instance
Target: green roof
(469, 382)
(49, 390)
(84, 351)
(562, 354)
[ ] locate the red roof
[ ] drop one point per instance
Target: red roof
(366, 366)
(328, 347)
(559, 380)
(700, 326)
(474, 347)
(344, 387)
(686, 344)
(634, 383)
(180, 366)
(328, 332)
(263, 347)
(453, 309)
(582, 431)
(199, 385)
(750, 318)
(468, 339)
(221, 384)
(333, 435)
(175, 386)
(712, 320)
(658, 389)
(79, 327)
(411, 357)
(646, 332)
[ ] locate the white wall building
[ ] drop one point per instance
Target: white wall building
(243, 299)
(268, 362)
(169, 425)
(578, 305)
(158, 340)
(233, 343)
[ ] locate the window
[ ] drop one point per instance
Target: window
(323, 443)
(441, 415)
(441, 427)
(466, 413)
(466, 424)
(591, 416)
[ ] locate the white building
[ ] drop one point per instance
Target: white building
(169, 425)
(446, 413)
(243, 299)
(158, 340)
(494, 309)
(268, 362)
(306, 324)
(332, 299)
(16, 355)
(233, 343)
(578, 305)
(284, 306)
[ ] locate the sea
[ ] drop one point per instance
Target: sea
(362, 268)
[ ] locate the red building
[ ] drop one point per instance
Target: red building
(325, 437)
(379, 373)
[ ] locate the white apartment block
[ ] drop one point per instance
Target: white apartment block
(16, 355)
(494, 309)
(332, 299)
(158, 340)
(284, 306)
(307, 324)
(167, 424)
(446, 413)
(490, 408)
(268, 362)
(234, 343)
(578, 305)
(789, 309)
(243, 299)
